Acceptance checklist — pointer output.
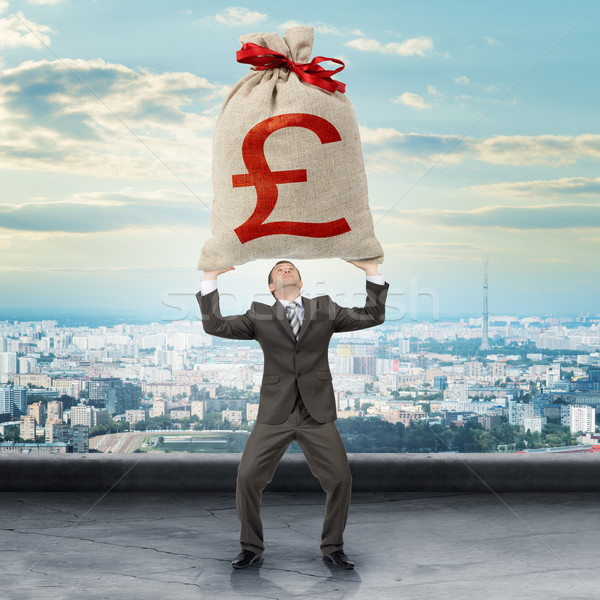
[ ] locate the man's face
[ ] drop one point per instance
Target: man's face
(285, 276)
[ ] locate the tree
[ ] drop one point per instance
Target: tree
(213, 420)
(11, 434)
(68, 401)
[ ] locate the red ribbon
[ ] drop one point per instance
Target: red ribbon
(264, 58)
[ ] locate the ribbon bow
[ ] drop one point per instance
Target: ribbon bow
(264, 58)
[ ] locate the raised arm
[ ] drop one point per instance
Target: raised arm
(373, 312)
(235, 327)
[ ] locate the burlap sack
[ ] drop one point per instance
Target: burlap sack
(288, 173)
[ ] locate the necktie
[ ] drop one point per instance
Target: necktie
(290, 310)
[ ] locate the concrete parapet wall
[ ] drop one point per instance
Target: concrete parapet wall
(370, 473)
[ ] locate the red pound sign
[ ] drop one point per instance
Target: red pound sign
(265, 181)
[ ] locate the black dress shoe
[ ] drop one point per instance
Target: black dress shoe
(339, 558)
(246, 558)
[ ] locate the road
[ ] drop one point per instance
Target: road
(119, 443)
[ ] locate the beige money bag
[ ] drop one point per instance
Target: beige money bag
(288, 171)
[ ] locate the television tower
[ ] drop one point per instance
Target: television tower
(485, 342)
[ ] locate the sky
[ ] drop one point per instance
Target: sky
(479, 125)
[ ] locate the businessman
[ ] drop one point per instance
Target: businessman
(297, 401)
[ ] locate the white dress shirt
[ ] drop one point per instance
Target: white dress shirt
(206, 287)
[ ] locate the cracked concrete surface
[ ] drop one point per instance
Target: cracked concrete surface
(405, 545)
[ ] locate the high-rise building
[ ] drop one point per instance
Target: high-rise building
(19, 401)
(101, 416)
(518, 412)
(159, 408)
(197, 407)
(114, 394)
(497, 370)
(582, 418)
(56, 431)
(83, 415)
(552, 375)
(13, 400)
(81, 438)
(26, 364)
(98, 389)
(8, 363)
(440, 382)
(233, 416)
(71, 386)
(55, 410)
(6, 400)
(458, 391)
(534, 423)
(27, 428)
(473, 370)
(364, 365)
(251, 412)
(38, 412)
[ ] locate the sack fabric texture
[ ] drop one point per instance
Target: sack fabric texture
(288, 172)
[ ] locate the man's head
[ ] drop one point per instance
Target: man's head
(284, 278)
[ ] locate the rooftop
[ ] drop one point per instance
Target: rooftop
(417, 545)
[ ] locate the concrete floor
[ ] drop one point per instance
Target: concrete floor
(405, 545)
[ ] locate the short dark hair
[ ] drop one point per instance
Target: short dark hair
(270, 279)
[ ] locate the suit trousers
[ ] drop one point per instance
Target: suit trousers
(326, 457)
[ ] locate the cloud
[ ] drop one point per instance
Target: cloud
(95, 212)
(462, 79)
(400, 148)
(562, 187)
(552, 150)
(239, 15)
(499, 150)
(429, 142)
(412, 47)
(4, 6)
(412, 100)
(549, 216)
(102, 119)
(434, 249)
(379, 136)
(110, 269)
(492, 41)
(432, 91)
(324, 28)
(16, 30)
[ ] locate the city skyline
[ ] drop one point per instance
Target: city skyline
(538, 384)
(475, 126)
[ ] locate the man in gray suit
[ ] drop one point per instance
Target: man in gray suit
(296, 398)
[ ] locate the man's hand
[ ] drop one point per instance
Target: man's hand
(368, 268)
(212, 275)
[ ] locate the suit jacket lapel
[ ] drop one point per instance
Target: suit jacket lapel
(281, 317)
(309, 313)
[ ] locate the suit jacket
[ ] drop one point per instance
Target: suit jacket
(294, 366)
